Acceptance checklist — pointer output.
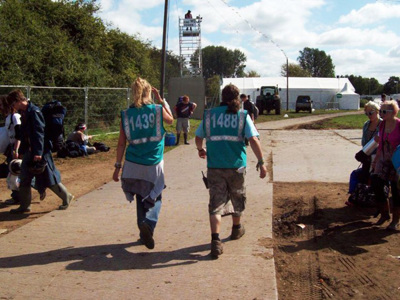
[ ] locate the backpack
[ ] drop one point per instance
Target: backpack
(364, 196)
(70, 149)
(255, 110)
(101, 147)
(54, 114)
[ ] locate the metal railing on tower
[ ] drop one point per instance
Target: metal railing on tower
(190, 47)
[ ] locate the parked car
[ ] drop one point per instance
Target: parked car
(304, 103)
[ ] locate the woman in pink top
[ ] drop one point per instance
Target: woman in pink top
(384, 173)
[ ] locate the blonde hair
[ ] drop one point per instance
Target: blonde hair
(141, 90)
(372, 105)
(393, 104)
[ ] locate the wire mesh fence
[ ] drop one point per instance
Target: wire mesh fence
(99, 108)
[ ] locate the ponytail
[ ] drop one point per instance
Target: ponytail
(141, 92)
(230, 96)
(233, 106)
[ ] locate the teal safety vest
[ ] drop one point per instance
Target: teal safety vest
(145, 133)
(225, 138)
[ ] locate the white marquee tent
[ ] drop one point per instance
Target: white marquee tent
(348, 99)
(321, 90)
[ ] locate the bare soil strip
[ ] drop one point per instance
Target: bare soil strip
(339, 253)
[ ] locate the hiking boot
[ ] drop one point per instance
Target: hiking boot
(19, 210)
(394, 225)
(384, 217)
(384, 210)
(146, 235)
(64, 206)
(216, 248)
(237, 233)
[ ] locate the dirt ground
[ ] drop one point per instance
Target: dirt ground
(80, 175)
(324, 249)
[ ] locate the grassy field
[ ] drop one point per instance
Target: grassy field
(292, 114)
(344, 122)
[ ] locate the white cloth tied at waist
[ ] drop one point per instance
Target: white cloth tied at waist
(147, 181)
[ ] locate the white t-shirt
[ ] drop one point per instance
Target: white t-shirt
(11, 121)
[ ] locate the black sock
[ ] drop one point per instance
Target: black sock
(237, 226)
(215, 236)
(185, 137)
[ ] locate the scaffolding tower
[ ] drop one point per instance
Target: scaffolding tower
(190, 47)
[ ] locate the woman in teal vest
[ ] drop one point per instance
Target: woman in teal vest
(143, 170)
(225, 129)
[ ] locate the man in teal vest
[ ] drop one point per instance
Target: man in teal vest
(225, 129)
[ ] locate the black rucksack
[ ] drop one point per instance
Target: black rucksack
(54, 113)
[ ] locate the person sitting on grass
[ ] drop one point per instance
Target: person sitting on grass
(78, 136)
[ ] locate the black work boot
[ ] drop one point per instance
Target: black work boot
(185, 138)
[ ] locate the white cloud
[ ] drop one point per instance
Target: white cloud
(394, 52)
(371, 13)
(358, 37)
(366, 63)
(273, 26)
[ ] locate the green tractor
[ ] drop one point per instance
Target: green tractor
(269, 100)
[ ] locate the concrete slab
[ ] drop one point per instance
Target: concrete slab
(312, 155)
(91, 249)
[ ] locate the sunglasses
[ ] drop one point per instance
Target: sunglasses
(370, 113)
(385, 111)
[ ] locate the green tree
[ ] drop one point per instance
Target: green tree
(365, 86)
(218, 60)
(252, 73)
(316, 62)
(295, 70)
(391, 86)
(63, 43)
(213, 86)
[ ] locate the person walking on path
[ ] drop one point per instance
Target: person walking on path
(143, 171)
(37, 160)
(384, 172)
(247, 105)
(13, 126)
(225, 128)
(184, 110)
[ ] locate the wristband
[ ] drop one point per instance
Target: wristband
(117, 165)
(260, 163)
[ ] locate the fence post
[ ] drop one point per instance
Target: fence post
(128, 97)
(86, 105)
(28, 92)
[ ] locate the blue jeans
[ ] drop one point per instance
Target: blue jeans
(149, 216)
